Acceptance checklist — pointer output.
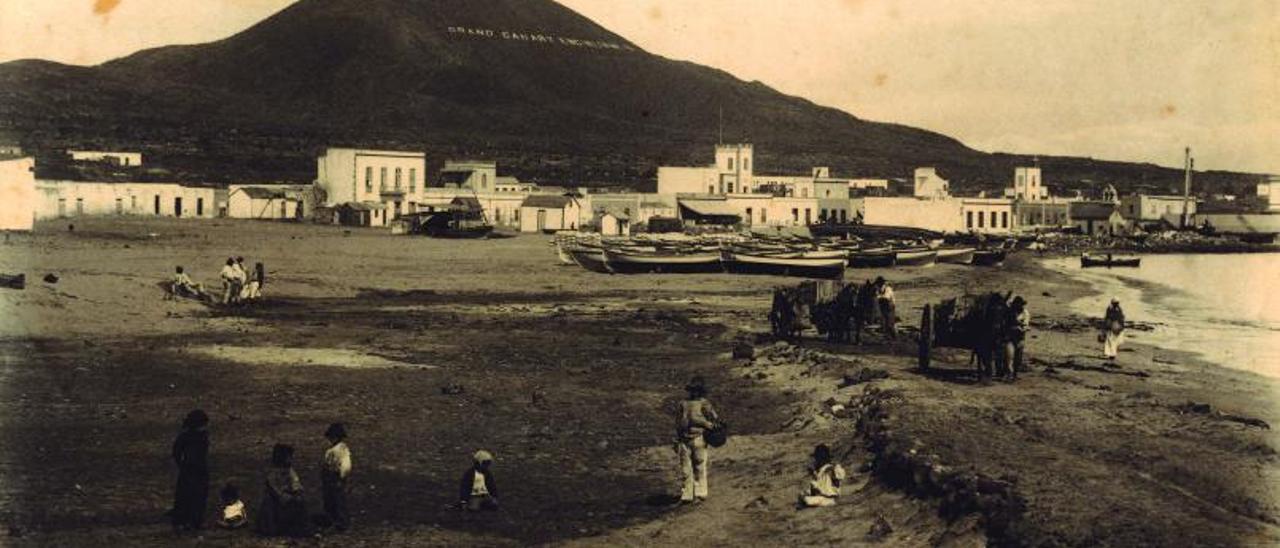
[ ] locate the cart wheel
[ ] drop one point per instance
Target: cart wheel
(926, 336)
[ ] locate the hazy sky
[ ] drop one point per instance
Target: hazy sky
(1114, 79)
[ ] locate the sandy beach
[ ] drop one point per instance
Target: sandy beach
(570, 378)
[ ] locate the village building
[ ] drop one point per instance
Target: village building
(123, 159)
(637, 207)
(370, 214)
(60, 199)
(1027, 185)
(549, 213)
(614, 223)
(988, 215)
(709, 210)
(10, 150)
(1097, 218)
(730, 174)
(941, 215)
(928, 184)
(274, 202)
(18, 197)
(1269, 193)
(393, 179)
(1145, 208)
(473, 175)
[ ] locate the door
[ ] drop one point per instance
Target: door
(284, 209)
(177, 207)
(62, 207)
(542, 220)
(199, 207)
(157, 204)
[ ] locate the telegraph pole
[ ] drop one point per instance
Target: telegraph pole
(1186, 189)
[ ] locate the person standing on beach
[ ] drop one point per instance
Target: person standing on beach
(1019, 325)
(1112, 330)
(191, 454)
(888, 307)
(334, 469)
(695, 417)
(230, 282)
(478, 490)
(283, 511)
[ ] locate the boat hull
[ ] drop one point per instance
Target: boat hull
(1114, 262)
(693, 263)
(989, 257)
(915, 258)
(591, 259)
(956, 256)
(884, 259)
(777, 266)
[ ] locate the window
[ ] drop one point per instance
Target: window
(822, 215)
(749, 216)
(795, 215)
(119, 206)
(746, 164)
(980, 219)
(413, 179)
(730, 164)
(1004, 219)
(764, 215)
(62, 207)
(368, 179)
(730, 188)
(79, 206)
(382, 178)
(807, 218)
(397, 178)
(828, 193)
(711, 189)
(484, 180)
(1019, 179)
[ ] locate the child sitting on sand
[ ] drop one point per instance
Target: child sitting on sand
(823, 486)
(233, 516)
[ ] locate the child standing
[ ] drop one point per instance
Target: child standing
(334, 469)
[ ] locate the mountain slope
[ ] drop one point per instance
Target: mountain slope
(442, 75)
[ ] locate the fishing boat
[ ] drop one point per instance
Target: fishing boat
(872, 258)
(915, 257)
(989, 257)
(766, 264)
(591, 259)
(818, 254)
(625, 262)
(956, 255)
(1108, 260)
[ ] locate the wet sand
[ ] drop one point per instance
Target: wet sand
(569, 378)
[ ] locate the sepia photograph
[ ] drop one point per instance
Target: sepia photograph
(901, 273)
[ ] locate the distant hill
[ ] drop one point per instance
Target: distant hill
(547, 92)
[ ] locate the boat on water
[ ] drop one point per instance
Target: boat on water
(915, 257)
(591, 259)
(989, 257)
(742, 263)
(956, 255)
(624, 262)
(1108, 260)
(873, 258)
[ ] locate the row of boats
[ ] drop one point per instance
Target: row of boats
(828, 260)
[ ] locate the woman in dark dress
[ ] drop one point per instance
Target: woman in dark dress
(191, 454)
(283, 511)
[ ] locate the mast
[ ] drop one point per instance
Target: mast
(1186, 189)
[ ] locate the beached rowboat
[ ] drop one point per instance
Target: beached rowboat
(591, 259)
(622, 262)
(872, 259)
(1109, 260)
(915, 257)
(763, 264)
(989, 257)
(955, 255)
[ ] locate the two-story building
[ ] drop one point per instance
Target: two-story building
(17, 192)
(389, 181)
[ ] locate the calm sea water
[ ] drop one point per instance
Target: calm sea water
(1223, 307)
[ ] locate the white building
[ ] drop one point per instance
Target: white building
(988, 215)
(864, 184)
(58, 199)
(1269, 192)
(17, 193)
(928, 184)
(941, 215)
(546, 213)
(1146, 208)
(264, 202)
(126, 159)
(731, 174)
(394, 179)
(1027, 185)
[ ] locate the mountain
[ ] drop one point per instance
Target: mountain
(530, 83)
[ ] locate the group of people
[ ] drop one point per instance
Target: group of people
(283, 509)
(238, 284)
